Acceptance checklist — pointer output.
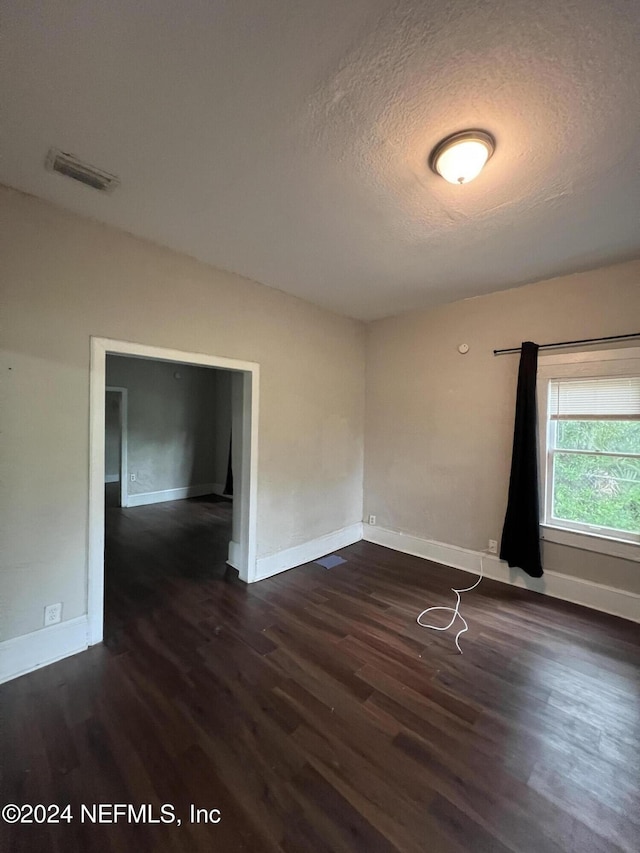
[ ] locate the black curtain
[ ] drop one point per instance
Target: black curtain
(520, 544)
(228, 486)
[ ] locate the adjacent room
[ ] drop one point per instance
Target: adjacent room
(168, 450)
(320, 475)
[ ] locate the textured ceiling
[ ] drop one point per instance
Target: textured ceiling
(287, 141)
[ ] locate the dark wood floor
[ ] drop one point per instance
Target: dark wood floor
(314, 713)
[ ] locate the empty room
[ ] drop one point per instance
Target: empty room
(320, 426)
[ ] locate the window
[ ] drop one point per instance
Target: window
(590, 454)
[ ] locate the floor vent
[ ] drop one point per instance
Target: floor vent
(330, 562)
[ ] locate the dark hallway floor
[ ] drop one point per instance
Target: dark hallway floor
(155, 552)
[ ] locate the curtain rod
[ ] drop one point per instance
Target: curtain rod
(571, 343)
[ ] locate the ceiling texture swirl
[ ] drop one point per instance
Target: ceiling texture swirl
(288, 141)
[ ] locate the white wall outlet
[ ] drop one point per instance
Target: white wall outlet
(372, 519)
(132, 477)
(493, 546)
(52, 614)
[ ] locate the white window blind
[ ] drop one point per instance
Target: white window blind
(610, 398)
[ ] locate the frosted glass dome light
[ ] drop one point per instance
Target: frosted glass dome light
(460, 158)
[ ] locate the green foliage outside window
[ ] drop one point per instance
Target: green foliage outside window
(599, 490)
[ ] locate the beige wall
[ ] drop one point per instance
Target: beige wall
(64, 279)
(174, 426)
(439, 425)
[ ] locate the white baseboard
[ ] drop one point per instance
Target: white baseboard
(20, 655)
(607, 599)
(112, 478)
(174, 494)
(308, 551)
(235, 558)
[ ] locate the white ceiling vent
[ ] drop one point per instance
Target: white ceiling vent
(71, 167)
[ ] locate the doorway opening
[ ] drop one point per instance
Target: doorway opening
(106, 449)
(115, 446)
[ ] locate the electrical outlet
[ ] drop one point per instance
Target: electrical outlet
(493, 546)
(372, 519)
(52, 614)
(132, 477)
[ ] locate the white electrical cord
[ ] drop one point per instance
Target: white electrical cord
(455, 610)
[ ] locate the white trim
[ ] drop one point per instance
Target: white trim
(234, 557)
(586, 541)
(112, 478)
(617, 362)
(20, 655)
(428, 549)
(178, 494)
(607, 599)
(597, 596)
(245, 505)
(245, 401)
(308, 551)
(95, 569)
(585, 356)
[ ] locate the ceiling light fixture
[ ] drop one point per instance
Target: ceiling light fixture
(461, 157)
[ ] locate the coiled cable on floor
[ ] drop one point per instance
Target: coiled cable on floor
(455, 610)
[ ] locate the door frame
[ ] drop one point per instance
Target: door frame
(245, 410)
(124, 404)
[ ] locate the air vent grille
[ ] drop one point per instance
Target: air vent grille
(71, 167)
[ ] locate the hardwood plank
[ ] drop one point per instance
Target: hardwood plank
(315, 713)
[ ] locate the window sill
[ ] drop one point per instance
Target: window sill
(591, 542)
